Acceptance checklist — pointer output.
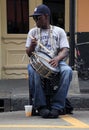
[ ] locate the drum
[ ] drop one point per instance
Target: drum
(40, 62)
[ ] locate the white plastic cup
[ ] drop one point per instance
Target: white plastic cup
(28, 110)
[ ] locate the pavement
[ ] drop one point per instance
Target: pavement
(14, 95)
(18, 121)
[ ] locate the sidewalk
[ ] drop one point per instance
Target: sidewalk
(17, 120)
(14, 94)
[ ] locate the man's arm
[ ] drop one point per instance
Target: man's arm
(31, 49)
(61, 55)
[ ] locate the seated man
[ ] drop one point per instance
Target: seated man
(55, 41)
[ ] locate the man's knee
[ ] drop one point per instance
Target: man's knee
(68, 72)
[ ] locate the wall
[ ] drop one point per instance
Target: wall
(83, 15)
(0, 42)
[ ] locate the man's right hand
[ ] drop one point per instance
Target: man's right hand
(33, 42)
(31, 49)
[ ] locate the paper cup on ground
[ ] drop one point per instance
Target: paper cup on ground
(28, 110)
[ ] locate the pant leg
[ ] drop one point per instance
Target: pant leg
(31, 80)
(58, 101)
(36, 88)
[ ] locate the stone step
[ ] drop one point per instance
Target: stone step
(16, 91)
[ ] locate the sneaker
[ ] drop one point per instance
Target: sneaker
(44, 112)
(54, 113)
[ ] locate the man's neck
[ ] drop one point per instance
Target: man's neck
(46, 26)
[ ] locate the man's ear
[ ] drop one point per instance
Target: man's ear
(47, 16)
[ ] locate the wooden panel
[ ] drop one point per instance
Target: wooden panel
(15, 59)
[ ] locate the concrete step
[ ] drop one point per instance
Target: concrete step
(14, 93)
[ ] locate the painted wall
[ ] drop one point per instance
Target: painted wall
(0, 42)
(82, 15)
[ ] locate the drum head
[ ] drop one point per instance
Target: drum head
(43, 57)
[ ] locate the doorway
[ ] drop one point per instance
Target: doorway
(57, 8)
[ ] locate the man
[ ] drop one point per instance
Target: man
(55, 40)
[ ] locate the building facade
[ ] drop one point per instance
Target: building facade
(13, 58)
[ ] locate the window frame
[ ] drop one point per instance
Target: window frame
(4, 23)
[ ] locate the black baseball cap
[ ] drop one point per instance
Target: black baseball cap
(40, 10)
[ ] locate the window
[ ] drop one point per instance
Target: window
(17, 16)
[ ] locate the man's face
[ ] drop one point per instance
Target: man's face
(41, 21)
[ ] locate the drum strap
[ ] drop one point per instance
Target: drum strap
(50, 36)
(38, 32)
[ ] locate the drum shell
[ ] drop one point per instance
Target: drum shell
(42, 68)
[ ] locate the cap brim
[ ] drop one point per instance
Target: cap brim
(35, 14)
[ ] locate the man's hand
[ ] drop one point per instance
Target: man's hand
(61, 55)
(54, 62)
(33, 42)
(32, 46)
